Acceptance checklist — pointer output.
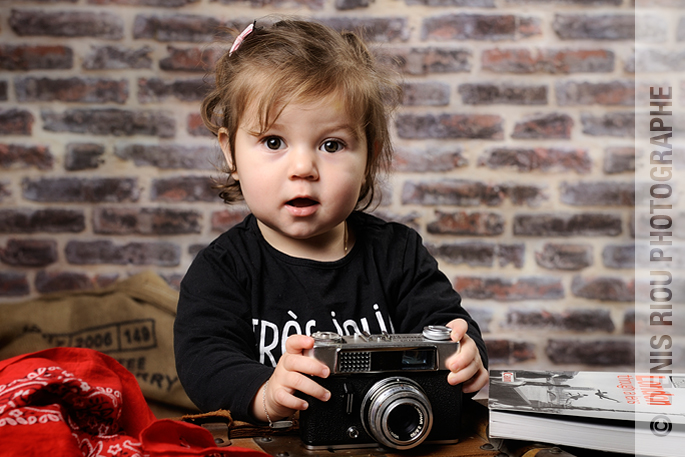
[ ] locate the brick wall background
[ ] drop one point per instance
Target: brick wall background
(515, 151)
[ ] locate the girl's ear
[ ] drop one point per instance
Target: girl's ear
(225, 144)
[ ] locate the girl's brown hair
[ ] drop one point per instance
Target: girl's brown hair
(295, 60)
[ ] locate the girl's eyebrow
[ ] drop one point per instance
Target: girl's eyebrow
(347, 127)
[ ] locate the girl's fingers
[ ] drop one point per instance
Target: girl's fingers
(459, 328)
(295, 344)
(477, 382)
(306, 365)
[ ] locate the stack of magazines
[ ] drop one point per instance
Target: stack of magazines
(630, 413)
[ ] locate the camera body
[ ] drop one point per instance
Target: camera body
(388, 389)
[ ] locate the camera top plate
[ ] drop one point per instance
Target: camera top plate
(365, 353)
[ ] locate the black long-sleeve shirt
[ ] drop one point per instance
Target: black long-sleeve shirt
(241, 299)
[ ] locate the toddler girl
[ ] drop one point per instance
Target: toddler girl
(301, 114)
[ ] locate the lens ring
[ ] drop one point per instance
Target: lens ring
(410, 432)
(384, 400)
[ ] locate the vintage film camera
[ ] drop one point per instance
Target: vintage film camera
(386, 389)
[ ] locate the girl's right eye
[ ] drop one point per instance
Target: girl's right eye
(273, 142)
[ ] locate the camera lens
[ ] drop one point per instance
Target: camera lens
(403, 421)
(396, 413)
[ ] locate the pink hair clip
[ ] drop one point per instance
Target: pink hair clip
(239, 39)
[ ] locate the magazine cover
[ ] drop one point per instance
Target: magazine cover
(608, 395)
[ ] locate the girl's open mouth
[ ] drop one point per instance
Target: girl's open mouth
(302, 206)
(302, 202)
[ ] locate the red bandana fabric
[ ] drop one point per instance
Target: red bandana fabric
(79, 402)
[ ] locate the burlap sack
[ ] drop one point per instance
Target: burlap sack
(131, 321)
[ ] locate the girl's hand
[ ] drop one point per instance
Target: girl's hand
(288, 377)
(466, 365)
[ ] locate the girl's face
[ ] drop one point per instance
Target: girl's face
(302, 177)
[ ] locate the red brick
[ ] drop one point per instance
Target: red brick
(184, 189)
(83, 156)
(470, 193)
(601, 353)
(506, 94)
(110, 121)
(430, 93)
(423, 61)
(16, 121)
(35, 57)
(439, 3)
(576, 320)
(373, 29)
(117, 58)
(42, 220)
(537, 159)
(311, 4)
(553, 126)
(428, 160)
(525, 194)
(35, 22)
(225, 219)
(492, 27)
(472, 253)
(609, 93)
(451, 192)
(175, 27)
(619, 256)
(505, 289)
(565, 256)
(84, 190)
(76, 89)
(343, 5)
(603, 193)
(629, 322)
(156, 3)
(477, 223)
(13, 284)
(196, 127)
(584, 224)
(610, 124)
(603, 288)
(170, 156)
(552, 61)
(194, 60)
(151, 90)
(20, 156)
(572, 26)
(29, 252)
(511, 253)
(59, 281)
(160, 253)
(508, 352)
(145, 221)
(619, 160)
(450, 126)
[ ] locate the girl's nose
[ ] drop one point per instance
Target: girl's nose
(303, 164)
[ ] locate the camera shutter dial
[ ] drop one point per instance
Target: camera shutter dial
(437, 332)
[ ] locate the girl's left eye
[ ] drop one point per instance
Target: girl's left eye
(331, 146)
(273, 142)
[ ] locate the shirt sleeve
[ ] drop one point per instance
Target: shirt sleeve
(427, 297)
(213, 340)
